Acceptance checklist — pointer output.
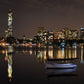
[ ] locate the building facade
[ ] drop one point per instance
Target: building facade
(10, 23)
(82, 33)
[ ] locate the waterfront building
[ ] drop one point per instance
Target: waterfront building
(66, 33)
(63, 34)
(50, 37)
(40, 34)
(73, 34)
(60, 35)
(45, 37)
(6, 33)
(24, 37)
(82, 33)
(40, 31)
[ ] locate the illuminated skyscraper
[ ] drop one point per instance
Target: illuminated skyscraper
(6, 33)
(82, 33)
(40, 31)
(60, 35)
(73, 34)
(66, 32)
(10, 23)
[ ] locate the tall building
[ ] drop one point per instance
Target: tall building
(73, 34)
(66, 32)
(10, 23)
(45, 37)
(40, 31)
(60, 35)
(50, 37)
(40, 34)
(82, 33)
(6, 33)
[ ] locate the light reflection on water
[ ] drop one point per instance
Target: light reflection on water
(46, 53)
(59, 53)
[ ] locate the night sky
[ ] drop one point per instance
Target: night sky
(30, 14)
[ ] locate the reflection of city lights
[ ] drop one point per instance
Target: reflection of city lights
(10, 67)
(30, 52)
(69, 53)
(38, 54)
(74, 53)
(63, 51)
(10, 80)
(24, 51)
(6, 57)
(82, 57)
(45, 55)
(3, 44)
(9, 71)
(50, 53)
(35, 52)
(9, 55)
(10, 49)
(60, 54)
(41, 55)
(3, 52)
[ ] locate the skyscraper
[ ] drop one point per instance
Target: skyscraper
(10, 23)
(40, 31)
(6, 33)
(73, 34)
(82, 33)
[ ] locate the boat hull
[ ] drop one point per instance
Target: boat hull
(60, 66)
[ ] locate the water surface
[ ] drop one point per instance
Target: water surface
(23, 66)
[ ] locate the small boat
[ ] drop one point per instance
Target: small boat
(60, 66)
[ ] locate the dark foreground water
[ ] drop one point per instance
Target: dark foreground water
(27, 66)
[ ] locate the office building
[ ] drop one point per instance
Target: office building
(10, 23)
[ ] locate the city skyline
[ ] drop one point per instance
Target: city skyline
(28, 15)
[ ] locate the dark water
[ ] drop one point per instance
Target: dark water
(27, 66)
